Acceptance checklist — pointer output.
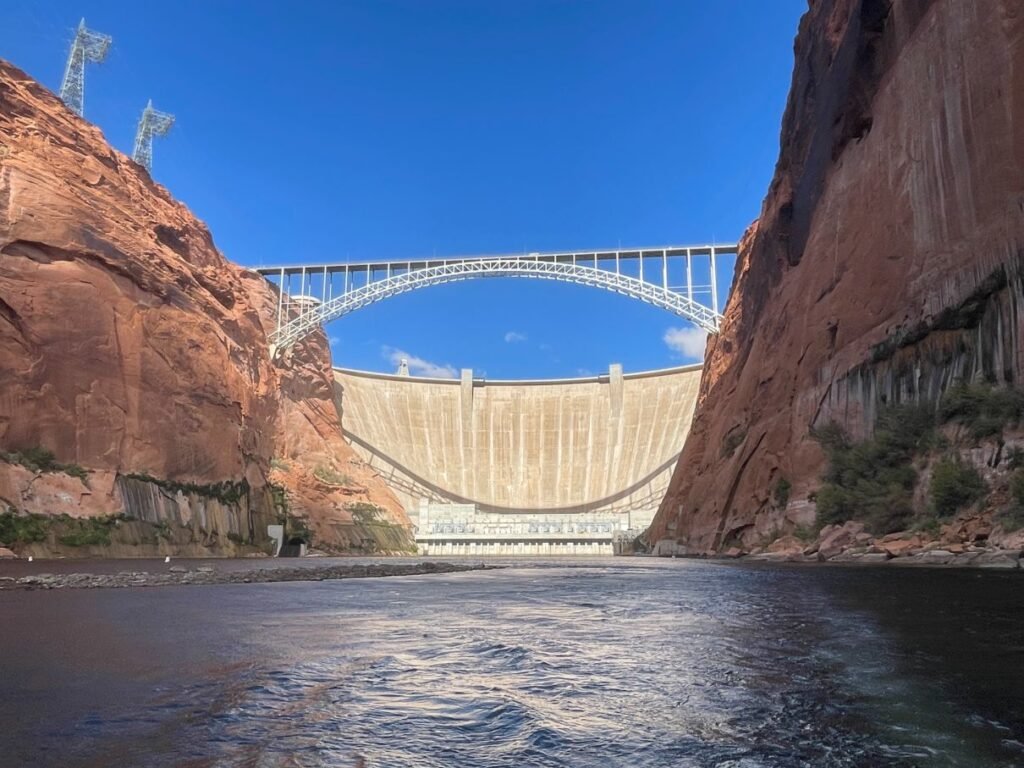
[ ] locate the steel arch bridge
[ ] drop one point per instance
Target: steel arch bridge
(311, 295)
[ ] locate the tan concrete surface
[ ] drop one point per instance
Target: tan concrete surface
(600, 444)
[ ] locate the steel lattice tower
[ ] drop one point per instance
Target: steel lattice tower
(87, 46)
(152, 123)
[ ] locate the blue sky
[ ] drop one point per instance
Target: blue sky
(403, 128)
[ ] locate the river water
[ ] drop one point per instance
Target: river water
(604, 662)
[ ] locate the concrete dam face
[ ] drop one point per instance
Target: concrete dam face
(522, 467)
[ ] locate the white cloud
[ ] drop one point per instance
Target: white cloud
(417, 365)
(513, 337)
(688, 342)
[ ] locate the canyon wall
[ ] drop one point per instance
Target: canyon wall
(135, 380)
(886, 263)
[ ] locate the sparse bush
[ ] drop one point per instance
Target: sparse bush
(86, 532)
(928, 525)
(1012, 519)
(955, 484)
(331, 476)
(226, 491)
(984, 409)
(1017, 487)
(364, 512)
(41, 459)
(1015, 458)
(805, 533)
(237, 538)
(781, 494)
(732, 441)
(280, 464)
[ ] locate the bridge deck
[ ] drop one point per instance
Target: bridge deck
(558, 257)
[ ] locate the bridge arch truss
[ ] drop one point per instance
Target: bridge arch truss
(312, 295)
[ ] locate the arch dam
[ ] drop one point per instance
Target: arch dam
(541, 467)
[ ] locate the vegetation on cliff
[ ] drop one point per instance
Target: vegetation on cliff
(39, 459)
(874, 481)
(226, 492)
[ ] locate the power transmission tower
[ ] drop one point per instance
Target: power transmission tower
(87, 46)
(152, 123)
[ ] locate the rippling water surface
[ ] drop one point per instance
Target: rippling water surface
(609, 662)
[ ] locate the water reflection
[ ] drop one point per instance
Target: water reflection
(618, 663)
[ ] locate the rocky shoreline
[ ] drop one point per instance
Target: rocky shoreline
(850, 543)
(177, 575)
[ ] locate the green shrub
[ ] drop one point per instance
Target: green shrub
(237, 538)
(41, 459)
(1012, 519)
(364, 512)
(954, 485)
(86, 532)
(732, 441)
(331, 476)
(984, 409)
(928, 525)
(1015, 458)
(1017, 487)
(805, 533)
(873, 480)
(23, 529)
(781, 494)
(280, 464)
(226, 491)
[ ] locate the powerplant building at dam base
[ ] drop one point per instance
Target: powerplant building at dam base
(545, 467)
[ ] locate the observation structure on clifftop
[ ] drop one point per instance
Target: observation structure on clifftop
(680, 279)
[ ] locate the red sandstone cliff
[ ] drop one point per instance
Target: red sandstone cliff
(130, 348)
(341, 499)
(887, 262)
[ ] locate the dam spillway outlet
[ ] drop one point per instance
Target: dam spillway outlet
(464, 529)
(539, 467)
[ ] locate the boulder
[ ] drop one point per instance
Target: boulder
(6, 554)
(835, 538)
(899, 547)
(1000, 558)
(935, 557)
(869, 558)
(789, 545)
